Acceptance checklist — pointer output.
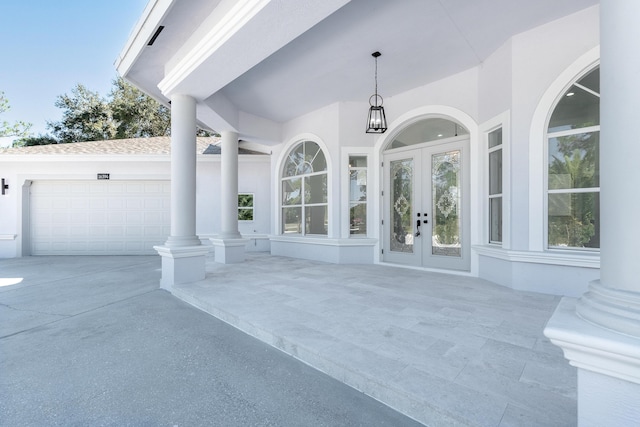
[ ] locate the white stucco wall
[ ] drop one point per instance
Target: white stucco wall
(253, 177)
(510, 83)
(253, 171)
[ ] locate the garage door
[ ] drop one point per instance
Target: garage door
(99, 217)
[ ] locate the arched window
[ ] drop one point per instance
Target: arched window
(304, 191)
(427, 130)
(573, 171)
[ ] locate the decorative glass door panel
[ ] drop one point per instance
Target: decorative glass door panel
(446, 195)
(401, 212)
(426, 205)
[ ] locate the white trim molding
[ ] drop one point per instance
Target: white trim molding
(552, 257)
(503, 121)
(345, 203)
(591, 347)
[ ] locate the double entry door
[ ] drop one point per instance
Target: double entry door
(426, 205)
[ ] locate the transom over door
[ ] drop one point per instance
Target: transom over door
(426, 206)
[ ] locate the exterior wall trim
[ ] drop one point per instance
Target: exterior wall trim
(324, 241)
(562, 258)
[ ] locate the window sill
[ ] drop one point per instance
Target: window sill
(552, 257)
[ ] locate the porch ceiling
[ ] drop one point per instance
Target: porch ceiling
(328, 59)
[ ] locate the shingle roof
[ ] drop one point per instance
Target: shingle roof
(131, 146)
(216, 149)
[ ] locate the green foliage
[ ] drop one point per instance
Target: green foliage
(245, 207)
(136, 114)
(573, 215)
(35, 140)
(86, 116)
(126, 113)
(19, 128)
(575, 230)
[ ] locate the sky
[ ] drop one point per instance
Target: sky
(49, 46)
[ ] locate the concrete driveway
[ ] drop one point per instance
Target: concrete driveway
(93, 341)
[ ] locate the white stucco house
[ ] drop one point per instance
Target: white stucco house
(113, 197)
(506, 153)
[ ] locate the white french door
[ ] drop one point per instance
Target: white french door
(426, 205)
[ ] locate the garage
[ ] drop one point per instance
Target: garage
(99, 217)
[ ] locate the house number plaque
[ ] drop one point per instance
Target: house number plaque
(103, 176)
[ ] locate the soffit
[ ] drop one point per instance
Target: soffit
(421, 41)
(320, 63)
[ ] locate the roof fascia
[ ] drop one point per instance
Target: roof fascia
(145, 28)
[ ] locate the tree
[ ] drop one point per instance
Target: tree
(86, 117)
(19, 128)
(28, 141)
(136, 114)
(127, 112)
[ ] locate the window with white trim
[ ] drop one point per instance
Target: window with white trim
(304, 203)
(495, 185)
(357, 196)
(573, 171)
(245, 207)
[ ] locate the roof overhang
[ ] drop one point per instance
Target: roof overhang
(255, 64)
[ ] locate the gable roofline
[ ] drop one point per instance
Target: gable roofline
(159, 146)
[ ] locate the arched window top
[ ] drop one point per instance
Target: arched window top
(305, 158)
(427, 130)
(579, 106)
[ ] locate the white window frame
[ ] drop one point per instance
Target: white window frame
(252, 207)
(546, 191)
(281, 178)
(537, 176)
(490, 196)
(345, 224)
(503, 121)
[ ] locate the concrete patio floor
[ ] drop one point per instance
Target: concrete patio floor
(443, 349)
(93, 341)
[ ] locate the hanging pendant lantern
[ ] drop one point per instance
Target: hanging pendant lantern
(376, 122)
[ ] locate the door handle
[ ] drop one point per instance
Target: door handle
(417, 228)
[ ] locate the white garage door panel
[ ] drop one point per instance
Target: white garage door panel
(99, 217)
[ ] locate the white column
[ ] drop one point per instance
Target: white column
(229, 186)
(229, 244)
(182, 254)
(614, 302)
(183, 172)
(600, 335)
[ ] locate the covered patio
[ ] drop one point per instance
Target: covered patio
(443, 349)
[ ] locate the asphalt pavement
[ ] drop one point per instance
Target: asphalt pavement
(92, 341)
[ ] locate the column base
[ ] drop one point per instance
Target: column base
(608, 367)
(181, 264)
(611, 308)
(229, 251)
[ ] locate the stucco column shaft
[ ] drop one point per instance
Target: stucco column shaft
(620, 148)
(183, 172)
(229, 186)
(614, 300)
